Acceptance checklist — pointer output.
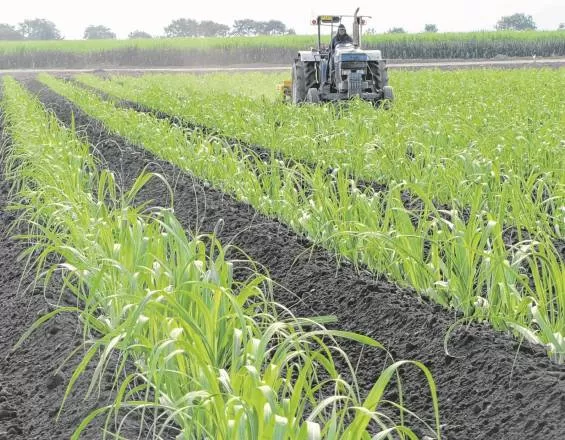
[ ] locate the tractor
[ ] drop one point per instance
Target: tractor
(322, 75)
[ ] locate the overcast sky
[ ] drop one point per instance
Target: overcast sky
(123, 16)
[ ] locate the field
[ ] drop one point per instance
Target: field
(216, 263)
(161, 52)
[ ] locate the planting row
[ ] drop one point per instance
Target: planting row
(459, 261)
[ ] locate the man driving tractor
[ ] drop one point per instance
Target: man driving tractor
(342, 71)
(341, 37)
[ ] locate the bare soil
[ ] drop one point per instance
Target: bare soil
(490, 387)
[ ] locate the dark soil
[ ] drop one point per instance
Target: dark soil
(492, 389)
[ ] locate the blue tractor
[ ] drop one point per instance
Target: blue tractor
(342, 72)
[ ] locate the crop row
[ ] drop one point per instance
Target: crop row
(207, 355)
(457, 257)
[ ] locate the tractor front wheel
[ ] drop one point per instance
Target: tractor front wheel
(386, 101)
(313, 96)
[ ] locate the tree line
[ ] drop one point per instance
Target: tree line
(42, 29)
(514, 22)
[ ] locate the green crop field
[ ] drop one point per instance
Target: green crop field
(454, 193)
(483, 167)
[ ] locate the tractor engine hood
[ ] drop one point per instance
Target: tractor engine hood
(348, 52)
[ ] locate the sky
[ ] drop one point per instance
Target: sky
(72, 16)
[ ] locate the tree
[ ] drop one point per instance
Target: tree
(275, 27)
(182, 27)
(430, 28)
(516, 22)
(561, 27)
(259, 27)
(207, 28)
(39, 29)
(98, 33)
(396, 30)
(245, 26)
(8, 32)
(139, 34)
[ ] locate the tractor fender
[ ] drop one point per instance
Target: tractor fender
(308, 55)
(373, 55)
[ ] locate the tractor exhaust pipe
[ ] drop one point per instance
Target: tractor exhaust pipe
(355, 29)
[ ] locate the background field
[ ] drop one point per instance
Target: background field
(271, 50)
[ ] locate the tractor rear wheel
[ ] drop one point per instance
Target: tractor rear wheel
(310, 74)
(298, 84)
